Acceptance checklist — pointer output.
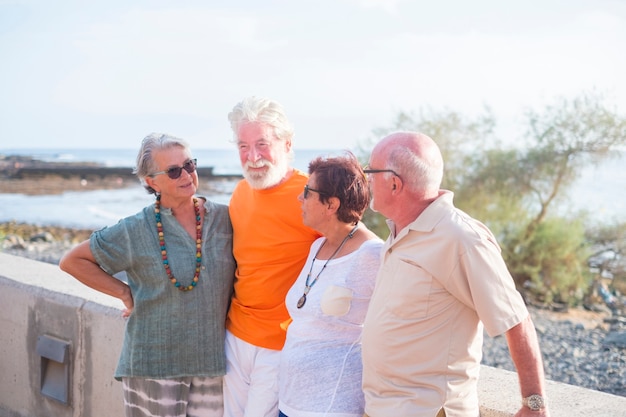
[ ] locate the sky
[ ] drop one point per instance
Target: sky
(104, 74)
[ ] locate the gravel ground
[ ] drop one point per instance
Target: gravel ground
(579, 347)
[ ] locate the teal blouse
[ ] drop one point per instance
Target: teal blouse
(171, 333)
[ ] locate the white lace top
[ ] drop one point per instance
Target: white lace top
(320, 369)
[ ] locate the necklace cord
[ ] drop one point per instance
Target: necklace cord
(161, 235)
(307, 286)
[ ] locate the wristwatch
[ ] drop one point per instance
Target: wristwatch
(535, 402)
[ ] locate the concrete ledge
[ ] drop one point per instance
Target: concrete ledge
(38, 298)
(500, 397)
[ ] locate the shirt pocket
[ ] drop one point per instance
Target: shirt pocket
(410, 291)
(336, 301)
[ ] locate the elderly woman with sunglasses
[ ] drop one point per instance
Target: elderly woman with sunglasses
(177, 256)
(320, 369)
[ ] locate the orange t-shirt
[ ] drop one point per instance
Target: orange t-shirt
(270, 245)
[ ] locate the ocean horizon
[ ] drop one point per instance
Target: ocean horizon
(99, 208)
(597, 191)
(224, 161)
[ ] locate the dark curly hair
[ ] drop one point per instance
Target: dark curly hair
(342, 177)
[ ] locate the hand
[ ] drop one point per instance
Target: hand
(127, 312)
(129, 303)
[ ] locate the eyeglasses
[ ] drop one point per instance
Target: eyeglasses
(376, 171)
(308, 189)
(174, 172)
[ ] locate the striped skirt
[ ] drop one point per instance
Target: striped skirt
(178, 397)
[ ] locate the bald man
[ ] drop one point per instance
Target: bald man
(442, 279)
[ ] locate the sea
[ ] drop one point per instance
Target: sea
(96, 209)
(600, 190)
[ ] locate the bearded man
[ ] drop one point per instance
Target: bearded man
(270, 245)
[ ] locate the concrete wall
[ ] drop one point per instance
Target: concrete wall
(37, 299)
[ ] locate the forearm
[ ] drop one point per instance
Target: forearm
(80, 263)
(526, 355)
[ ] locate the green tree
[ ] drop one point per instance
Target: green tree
(563, 138)
(515, 190)
(552, 263)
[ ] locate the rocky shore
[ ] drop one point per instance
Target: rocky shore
(24, 175)
(41, 243)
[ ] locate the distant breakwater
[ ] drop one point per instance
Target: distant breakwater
(23, 167)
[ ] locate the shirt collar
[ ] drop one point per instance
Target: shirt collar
(428, 219)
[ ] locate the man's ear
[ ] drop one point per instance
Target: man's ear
(396, 183)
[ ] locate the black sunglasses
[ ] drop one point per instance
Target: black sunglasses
(174, 172)
(376, 171)
(308, 189)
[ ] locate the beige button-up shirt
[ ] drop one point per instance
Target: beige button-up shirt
(442, 277)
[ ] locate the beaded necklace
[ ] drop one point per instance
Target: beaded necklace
(307, 285)
(166, 263)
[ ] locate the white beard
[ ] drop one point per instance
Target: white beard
(268, 179)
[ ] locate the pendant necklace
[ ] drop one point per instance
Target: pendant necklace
(166, 263)
(308, 285)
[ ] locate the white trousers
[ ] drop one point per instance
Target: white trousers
(251, 381)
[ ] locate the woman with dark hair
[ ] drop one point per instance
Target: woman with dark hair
(177, 255)
(320, 369)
